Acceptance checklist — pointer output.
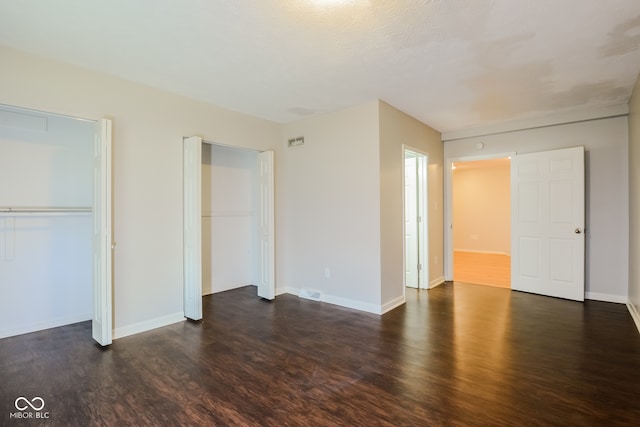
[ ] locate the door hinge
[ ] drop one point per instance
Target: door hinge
(419, 267)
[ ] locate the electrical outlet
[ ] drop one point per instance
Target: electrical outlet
(327, 273)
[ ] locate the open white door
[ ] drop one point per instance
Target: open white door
(192, 227)
(411, 273)
(547, 216)
(102, 324)
(416, 235)
(266, 227)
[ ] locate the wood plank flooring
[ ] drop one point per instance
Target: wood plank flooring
(482, 269)
(457, 355)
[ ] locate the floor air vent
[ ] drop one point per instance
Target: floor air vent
(309, 294)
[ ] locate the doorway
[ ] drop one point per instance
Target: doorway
(481, 222)
(416, 237)
(249, 212)
(547, 221)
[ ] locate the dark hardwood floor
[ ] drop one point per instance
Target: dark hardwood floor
(460, 355)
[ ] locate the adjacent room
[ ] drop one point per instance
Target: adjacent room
(482, 222)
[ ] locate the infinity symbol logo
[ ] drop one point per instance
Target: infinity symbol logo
(26, 402)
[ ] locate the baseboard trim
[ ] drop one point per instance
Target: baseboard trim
(482, 252)
(148, 325)
(46, 324)
(634, 314)
(350, 303)
(436, 282)
(596, 296)
(394, 303)
(335, 300)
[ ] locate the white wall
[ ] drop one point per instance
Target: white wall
(607, 186)
(229, 225)
(396, 129)
(634, 204)
(45, 259)
(482, 209)
(147, 168)
(332, 207)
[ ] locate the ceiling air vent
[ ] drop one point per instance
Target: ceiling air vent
(296, 142)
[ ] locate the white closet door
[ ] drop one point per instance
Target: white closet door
(266, 229)
(102, 324)
(192, 227)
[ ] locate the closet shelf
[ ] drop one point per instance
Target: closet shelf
(44, 210)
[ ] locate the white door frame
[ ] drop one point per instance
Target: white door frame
(192, 225)
(423, 230)
(448, 205)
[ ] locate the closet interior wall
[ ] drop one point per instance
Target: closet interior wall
(229, 218)
(46, 192)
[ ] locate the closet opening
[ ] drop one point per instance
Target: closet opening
(230, 197)
(55, 222)
(228, 221)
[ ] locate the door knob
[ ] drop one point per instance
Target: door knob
(578, 230)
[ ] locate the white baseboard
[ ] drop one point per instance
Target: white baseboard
(390, 305)
(596, 296)
(482, 252)
(634, 314)
(332, 299)
(351, 303)
(47, 324)
(148, 325)
(436, 282)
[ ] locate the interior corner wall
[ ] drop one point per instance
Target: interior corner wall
(634, 204)
(331, 236)
(396, 129)
(607, 184)
(149, 125)
(482, 209)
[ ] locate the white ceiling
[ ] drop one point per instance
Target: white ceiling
(453, 64)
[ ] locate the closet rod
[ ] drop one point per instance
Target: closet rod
(49, 209)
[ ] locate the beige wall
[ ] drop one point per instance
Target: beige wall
(147, 168)
(328, 192)
(482, 208)
(343, 205)
(396, 129)
(634, 204)
(332, 208)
